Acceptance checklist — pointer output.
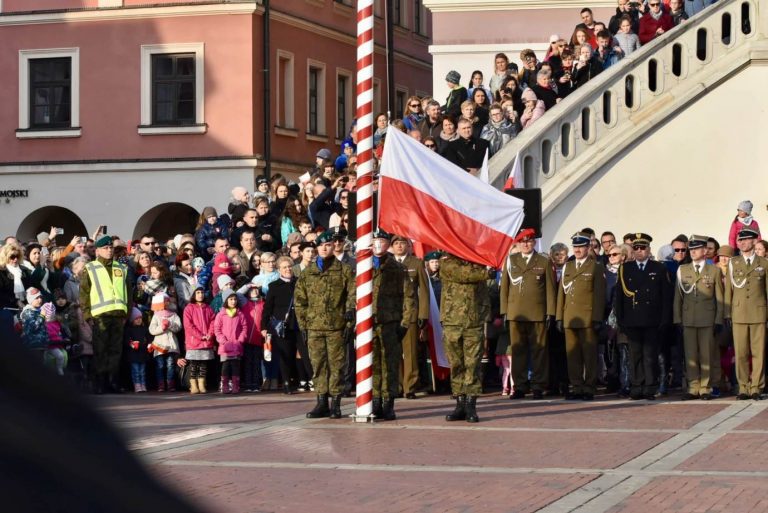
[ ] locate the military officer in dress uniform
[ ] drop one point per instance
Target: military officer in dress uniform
(393, 306)
(746, 290)
(580, 306)
(642, 306)
(464, 309)
(528, 299)
(418, 276)
(698, 308)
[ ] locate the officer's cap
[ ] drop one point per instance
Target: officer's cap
(747, 233)
(434, 255)
(105, 240)
(381, 234)
(641, 239)
(326, 236)
(580, 239)
(396, 238)
(339, 232)
(697, 241)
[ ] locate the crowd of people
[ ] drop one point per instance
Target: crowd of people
(261, 297)
(493, 109)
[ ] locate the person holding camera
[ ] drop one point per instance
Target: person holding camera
(654, 23)
(631, 9)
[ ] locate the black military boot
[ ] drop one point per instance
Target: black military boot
(336, 407)
(321, 408)
(389, 410)
(472, 409)
(377, 410)
(459, 413)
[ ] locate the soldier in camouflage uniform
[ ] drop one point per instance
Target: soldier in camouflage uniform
(325, 302)
(464, 309)
(394, 304)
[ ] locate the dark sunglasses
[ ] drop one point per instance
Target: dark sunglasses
(614, 254)
(680, 250)
(429, 145)
(414, 105)
(639, 247)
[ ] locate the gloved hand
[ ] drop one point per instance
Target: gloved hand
(305, 334)
(728, 323)
(401, 331)
(559, 326)
(349, 315)
(596, 325)
(420, 323)
(548, 321)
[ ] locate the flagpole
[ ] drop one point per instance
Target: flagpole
(364, 275)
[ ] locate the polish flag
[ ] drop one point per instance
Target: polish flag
(440, 366)
(515, 180)
(485, 174)
(424, 197)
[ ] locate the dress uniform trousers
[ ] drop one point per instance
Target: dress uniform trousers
(410, 343)
(699, 344)
(326, 350)
(528, 341)
(581, 350)
(644, 359)
(749, 346)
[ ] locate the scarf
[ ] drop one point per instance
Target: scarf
(656, 16)
(746, 221)
(18, 286)
(231, 312)
(449, 139)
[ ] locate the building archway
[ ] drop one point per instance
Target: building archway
(164, 221)
(43, 218)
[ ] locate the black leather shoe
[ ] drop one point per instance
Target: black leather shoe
(756, 397)
(410, 395)
(538, 394)
(650, 397)
(588, 397)
(689, 397)
(706, 397)
(573, 397)
(742, 397)
(636, 397)
(517, 394)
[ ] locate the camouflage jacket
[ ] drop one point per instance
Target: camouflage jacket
(322, 297)
(394, 296)
(465, 298)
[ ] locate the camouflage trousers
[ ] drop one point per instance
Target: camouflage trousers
(387, 353)
(464, 349)
(107, 344)
(326, 351)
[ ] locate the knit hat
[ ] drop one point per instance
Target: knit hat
(453, 76)
(745, 206)
(49, 311)
(224, 280)
(32, 294)
(238, 193)
(529, 95)
(225, 295)
(324, 153)
(198, 263)
(135, 314)
(221, 264)
(159, 301)
(209, 212)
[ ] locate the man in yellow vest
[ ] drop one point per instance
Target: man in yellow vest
(104, 299)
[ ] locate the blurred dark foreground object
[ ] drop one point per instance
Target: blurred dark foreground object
(58, 454)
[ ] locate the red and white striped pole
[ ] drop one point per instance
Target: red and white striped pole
(364, 254)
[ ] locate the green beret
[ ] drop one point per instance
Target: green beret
(434, 255)
(104, 240)
(326, 236)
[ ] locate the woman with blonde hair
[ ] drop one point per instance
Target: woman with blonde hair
(412, 113)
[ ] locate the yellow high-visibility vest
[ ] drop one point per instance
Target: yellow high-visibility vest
(108, 293)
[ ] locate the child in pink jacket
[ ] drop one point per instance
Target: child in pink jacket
(199, 336)
(742, 220)
(231, 331)
(252, 355)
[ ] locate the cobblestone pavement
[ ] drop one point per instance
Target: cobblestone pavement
(258, 453)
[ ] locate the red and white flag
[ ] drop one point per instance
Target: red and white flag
(515, 179)
(424, 197)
